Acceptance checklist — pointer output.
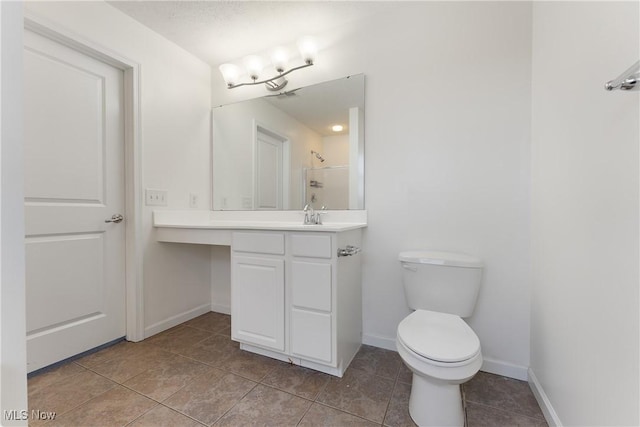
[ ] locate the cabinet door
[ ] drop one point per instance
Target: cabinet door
(311, 335)
(257, 301)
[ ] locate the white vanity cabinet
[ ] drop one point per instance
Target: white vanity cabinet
(293, 298)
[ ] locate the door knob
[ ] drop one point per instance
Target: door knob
(117, 218)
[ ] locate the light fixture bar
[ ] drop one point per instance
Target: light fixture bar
(270, 83)
(253, 63)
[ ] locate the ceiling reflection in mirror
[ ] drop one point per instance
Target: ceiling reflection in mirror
(284, 151)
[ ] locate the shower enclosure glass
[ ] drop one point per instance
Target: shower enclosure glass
(326, 186)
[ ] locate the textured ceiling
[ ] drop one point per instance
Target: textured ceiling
(224, 31)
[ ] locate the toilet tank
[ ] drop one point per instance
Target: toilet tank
(441, 281)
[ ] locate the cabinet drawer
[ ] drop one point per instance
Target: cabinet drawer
(311, 335)
(311, 285)
(264, 243)
(311, 245)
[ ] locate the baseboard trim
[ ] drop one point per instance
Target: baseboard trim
(176, 320)
(549, 413)
(219, 308)
(378, 341)
(506, 369)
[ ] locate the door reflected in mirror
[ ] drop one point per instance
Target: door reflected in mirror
(283, 151)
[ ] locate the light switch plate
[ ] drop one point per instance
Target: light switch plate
(154, 197)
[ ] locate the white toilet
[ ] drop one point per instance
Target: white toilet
(438, 346)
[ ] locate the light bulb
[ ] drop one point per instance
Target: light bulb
(253, 64)
(279, 59)
(230, 73)
(308, 49)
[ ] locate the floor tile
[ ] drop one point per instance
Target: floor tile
(211, 396)
(250, 365)
(161, 416)
(213, 351)
(120, 350)
(167, 377)
(212, 322)
(201, 377)
(405, 375)
(69, 392)
(398, 411)
(502, 393)
(268, 407)
(484, 416)
(51, 376)
(320, 415)
(360, 394)
(178, 338)
(377, 361)
(120, 369)
(226, 331)
(297, 380)
(116, 407)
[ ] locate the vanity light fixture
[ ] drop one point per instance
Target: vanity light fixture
(279, 59)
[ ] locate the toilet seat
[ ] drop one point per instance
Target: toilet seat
(439, 337)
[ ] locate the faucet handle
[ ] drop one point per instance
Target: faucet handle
(319, 213)
(309, 216)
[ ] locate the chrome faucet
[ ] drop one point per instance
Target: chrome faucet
(309, 215)
(313, 217)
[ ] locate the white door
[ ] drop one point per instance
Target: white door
(74, 181)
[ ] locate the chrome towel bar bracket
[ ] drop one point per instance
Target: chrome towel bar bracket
(629, 80)
(348, 251)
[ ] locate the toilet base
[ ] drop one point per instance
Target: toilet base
(435, 403)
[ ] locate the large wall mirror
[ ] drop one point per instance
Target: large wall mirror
(286, 150)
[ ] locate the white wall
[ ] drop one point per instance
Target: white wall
(13, 350)
(335, 150)
(585, 311)
(175, 111)
(447, 132)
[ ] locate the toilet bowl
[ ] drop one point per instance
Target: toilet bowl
(434, 341)
(443, 352)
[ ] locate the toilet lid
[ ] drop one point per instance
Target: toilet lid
(440, 258)
(437, 336)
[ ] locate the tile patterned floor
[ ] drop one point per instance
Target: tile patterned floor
(194, 375)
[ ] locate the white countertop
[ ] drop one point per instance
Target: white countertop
(333, 221)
